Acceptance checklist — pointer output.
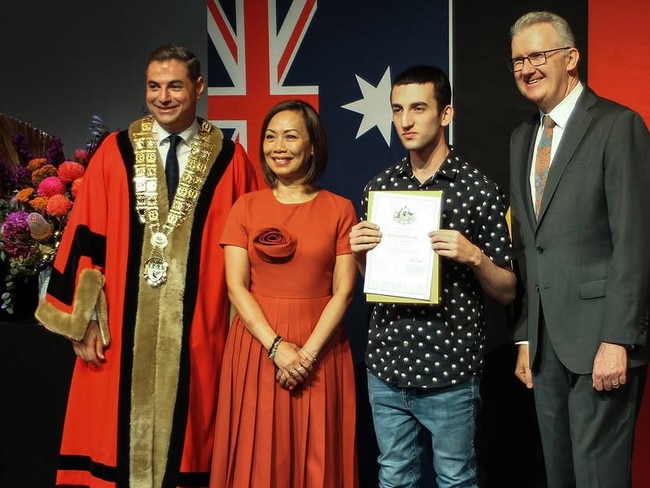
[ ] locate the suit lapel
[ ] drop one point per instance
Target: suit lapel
(525, 154)
(577, 126)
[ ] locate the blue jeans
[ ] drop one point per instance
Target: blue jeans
(449, 414)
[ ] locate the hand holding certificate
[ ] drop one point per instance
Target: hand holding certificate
(403, 267)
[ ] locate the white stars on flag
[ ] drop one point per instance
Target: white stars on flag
(374, 106)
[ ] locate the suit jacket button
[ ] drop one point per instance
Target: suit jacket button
(540, 250)
(537, 288)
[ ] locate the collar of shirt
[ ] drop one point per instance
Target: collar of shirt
(448, 169)
(187, 135)
(561, 113)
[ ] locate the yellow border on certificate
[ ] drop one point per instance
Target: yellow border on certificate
(434, 299)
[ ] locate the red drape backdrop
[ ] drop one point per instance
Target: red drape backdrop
(619, 69)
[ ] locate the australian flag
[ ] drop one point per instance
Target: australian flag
(339, 55)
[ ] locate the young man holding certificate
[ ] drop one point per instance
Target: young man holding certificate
(424, 357)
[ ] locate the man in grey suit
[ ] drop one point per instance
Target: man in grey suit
(580, 197)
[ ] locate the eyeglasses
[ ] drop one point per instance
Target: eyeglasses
(535, 59)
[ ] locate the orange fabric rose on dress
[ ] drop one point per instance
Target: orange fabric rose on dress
(275, 244)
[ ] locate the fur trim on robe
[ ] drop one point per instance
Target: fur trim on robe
(89, 299)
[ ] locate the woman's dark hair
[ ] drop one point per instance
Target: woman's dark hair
(318, 160)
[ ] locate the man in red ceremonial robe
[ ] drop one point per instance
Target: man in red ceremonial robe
(138, 286)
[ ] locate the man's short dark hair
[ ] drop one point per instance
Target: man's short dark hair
(179, 53)
(421, 74)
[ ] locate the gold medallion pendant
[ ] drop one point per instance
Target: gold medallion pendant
(155, 271)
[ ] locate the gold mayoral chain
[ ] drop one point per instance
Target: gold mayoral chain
(146, 192)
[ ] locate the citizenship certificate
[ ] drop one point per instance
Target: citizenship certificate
(403, 267)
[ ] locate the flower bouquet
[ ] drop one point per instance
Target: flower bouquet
(36, 197)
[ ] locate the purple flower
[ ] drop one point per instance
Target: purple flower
(16, 234)
(21, 144)
(6, 176)
(54, 153)
(22, 178)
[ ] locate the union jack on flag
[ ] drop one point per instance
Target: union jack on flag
(256, 54)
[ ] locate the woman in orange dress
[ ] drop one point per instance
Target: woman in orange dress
(286, 416)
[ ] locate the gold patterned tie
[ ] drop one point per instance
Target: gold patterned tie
(543, 161)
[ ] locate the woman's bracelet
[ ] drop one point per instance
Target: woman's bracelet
(274, 346)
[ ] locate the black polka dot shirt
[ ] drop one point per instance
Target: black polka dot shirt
(433, 346)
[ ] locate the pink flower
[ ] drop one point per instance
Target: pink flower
(58, 206)
(81, 155)
(70, 171)
(51, 185)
